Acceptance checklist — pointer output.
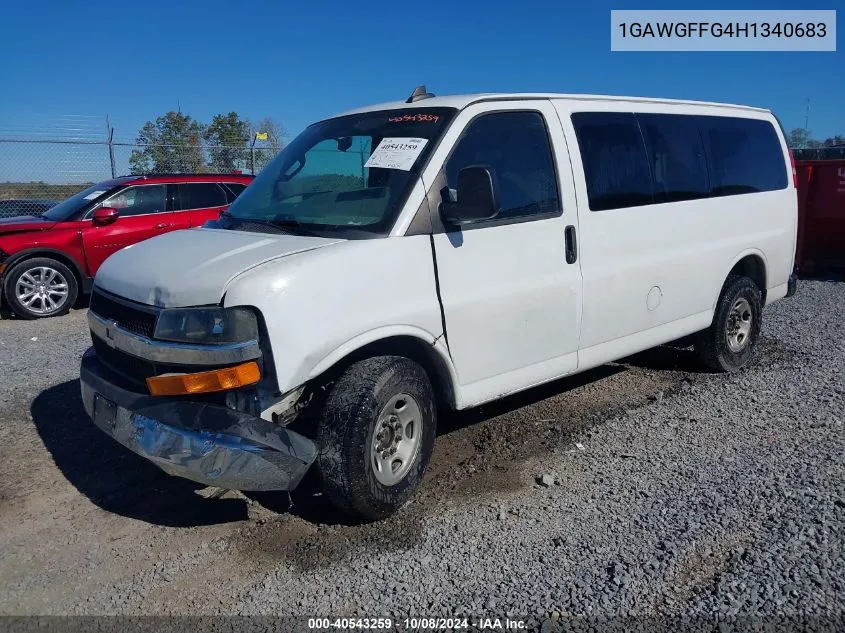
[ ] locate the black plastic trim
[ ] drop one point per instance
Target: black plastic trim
(219, 177)
(487, 224)
(792, 285)
(571, 244)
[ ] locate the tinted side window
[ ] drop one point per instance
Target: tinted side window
(516, 146)
(201, 195)
(676, 157)
(614, 158)
(233, 190)
(140, 200)
(744, 155)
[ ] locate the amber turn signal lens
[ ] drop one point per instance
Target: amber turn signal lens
(206, 381)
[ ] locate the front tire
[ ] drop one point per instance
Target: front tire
(731, 340)
(40, 287)
(376, 432)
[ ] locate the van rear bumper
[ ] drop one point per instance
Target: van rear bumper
(209, 444)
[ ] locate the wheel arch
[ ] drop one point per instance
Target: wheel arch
(59, 256)
(750, 263)
(413, 343)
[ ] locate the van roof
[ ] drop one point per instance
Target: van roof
(462, 101)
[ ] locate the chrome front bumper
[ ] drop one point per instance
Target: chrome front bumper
(209, 444)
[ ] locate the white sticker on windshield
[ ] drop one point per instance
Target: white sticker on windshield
(396, 153)
(95, 194)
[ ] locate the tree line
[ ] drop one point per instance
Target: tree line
(177, 143)
(800, 138)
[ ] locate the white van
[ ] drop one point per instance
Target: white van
(439, 252)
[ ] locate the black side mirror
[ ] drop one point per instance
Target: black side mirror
(477, 197)
(344, 143)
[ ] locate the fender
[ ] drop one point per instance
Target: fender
(85, 282)
(379, 334)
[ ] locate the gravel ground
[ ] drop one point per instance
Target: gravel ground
(668, 492)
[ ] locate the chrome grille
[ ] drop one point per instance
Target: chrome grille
(132, 317)
(135, 369)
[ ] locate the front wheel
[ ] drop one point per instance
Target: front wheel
(375, 435)
(730, 341)
(40, 287)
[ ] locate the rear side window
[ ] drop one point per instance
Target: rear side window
(233, 190)
(201, 195)
(632, 160)
(744, 155)
(675, 157)
(516, 146)
(614, 157)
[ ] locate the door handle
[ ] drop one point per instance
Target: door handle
(161, 225)
(571, 244)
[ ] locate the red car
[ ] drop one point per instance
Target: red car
(47, 261)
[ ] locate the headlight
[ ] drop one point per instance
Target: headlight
(207, 325)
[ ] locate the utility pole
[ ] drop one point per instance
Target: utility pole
(807, 117)
(110, 137)
(252, 153)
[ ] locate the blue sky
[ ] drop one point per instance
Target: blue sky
(299, 61)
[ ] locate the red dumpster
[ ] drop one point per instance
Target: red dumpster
(821, 216)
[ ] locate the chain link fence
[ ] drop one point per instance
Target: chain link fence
(37, 172)
(820, 153)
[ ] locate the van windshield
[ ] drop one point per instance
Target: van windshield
(345, 175)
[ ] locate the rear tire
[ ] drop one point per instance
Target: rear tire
(375, 436)
(40, 287)
(731, 340)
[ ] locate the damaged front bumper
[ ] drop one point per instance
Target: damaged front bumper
(206, 443)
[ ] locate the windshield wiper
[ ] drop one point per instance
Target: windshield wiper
(276, 225)
(295, 226)
(283, 224)
(239, 220)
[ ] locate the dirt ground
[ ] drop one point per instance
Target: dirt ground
(87, 527)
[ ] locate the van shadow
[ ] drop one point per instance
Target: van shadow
(675, 356)
(118, 481)
(114, 478)
(307, 502)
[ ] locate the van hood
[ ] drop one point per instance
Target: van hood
(22, 223)
(193, 267)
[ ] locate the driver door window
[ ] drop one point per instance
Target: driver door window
(141, 200)
(516, 146)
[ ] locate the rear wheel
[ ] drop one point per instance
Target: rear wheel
(375, 435)
(731, 340)
(40, 287)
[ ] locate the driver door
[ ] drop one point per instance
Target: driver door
(512, 302)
